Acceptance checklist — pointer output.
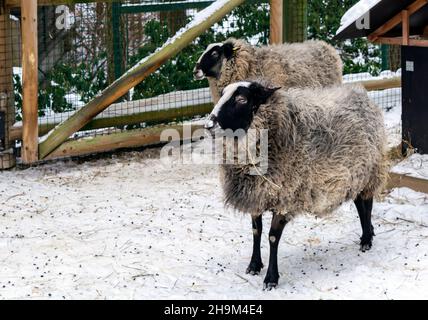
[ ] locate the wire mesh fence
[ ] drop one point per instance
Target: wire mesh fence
(85, 47)
(9, 57)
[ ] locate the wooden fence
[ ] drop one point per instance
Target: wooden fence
(55, 144)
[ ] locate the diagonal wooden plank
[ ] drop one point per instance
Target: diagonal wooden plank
(397, 180)
(201, 22)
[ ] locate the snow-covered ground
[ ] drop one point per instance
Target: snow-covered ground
(129, 227)
(415, 166)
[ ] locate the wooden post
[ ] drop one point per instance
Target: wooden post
(203, 20)
(29, 82)
(276, 21)
(406, 27)
(7, 109)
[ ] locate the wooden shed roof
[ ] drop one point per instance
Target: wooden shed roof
(383, 12)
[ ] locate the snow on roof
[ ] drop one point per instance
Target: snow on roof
(356, 12)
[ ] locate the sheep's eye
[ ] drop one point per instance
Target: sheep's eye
(241, 99)
(214, 54)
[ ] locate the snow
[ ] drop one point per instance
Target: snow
(14, 18)
(17, 71)
(415, 166)
(356, 12)
(128, 227)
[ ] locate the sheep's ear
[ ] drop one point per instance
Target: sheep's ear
(228, 50)
(260, 93)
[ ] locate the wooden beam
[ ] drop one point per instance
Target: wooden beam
(382, 84)
(123, 120)
(276, 21)
(389, 40)
(418, 42)
(400, 180)
(114, 141)
(415, 6)
(204, 20)
(399, 41)
(405, 27)
(30, 134)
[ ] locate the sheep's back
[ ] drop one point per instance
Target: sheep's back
(309, 64)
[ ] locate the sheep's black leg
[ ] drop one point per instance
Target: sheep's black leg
(278, 223)
(364, 208)
(256, 259)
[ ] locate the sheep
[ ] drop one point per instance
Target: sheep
(310, 64)
(326, 146)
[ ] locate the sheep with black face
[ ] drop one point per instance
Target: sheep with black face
(310, 64)
(326, 146)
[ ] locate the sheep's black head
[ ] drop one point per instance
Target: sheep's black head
(237, 106)
(210, 62)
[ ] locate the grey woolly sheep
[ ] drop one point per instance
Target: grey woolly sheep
(310, 64)
(326, 146)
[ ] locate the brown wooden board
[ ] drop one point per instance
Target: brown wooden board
(402, 181)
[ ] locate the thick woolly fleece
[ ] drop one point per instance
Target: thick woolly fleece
(326, 146)
(311, 64)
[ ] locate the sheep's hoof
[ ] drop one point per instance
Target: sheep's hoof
(254, 268)
(269, 286)
(367, 240)
(366, 243)
(271, 281)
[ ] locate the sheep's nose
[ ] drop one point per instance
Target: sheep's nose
(212, 126)
(198, 74)
(210, 123)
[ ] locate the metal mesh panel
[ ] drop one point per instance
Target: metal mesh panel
(9, 66)
(85, 47)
